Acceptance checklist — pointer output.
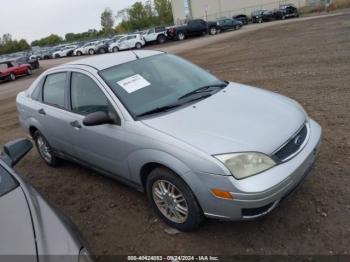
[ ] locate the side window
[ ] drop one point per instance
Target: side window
(86, 95)
(151, 31)
(3, 67)
(54, 89)
(37, 92)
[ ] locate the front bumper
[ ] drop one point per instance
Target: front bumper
(257, 195)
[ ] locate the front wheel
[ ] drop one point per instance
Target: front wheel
(180, 36)
(91, 52)
(213, 31)
(138, 45)
(45, 149)
(173, 200)
(79, 53)
(115, 49)
(29, 71)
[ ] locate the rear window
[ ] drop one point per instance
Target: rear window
(54, 89)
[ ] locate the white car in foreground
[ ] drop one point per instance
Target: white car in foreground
(65, 51)
(127, 42)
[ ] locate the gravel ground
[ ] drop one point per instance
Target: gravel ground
(307, 60)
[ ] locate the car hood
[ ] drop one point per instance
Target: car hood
(16, 228)
(236, 119)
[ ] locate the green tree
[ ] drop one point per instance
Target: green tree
(143, 15)
(7, 45)
(47, 41)
(107, 21)
(164, 12)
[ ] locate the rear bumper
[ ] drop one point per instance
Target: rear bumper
(257, 195)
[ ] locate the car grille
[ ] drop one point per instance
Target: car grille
(293, 145)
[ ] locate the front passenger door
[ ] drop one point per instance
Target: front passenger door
(101, 146)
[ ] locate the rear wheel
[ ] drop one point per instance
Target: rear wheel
(91, 51)
(161, 39)
(138, 45)
(29, 71)
(79, 53)
(173, 200)
(45, 149)
(12, 77)
(115, 49)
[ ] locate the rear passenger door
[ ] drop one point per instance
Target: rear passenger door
(101, 146)
(52, 113)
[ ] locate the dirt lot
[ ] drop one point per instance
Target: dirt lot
(306, 60)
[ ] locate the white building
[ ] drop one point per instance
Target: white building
(213, 9)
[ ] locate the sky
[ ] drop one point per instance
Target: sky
(35, 19)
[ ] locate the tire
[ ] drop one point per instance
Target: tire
(102, 51)
(45, 150)
(115, 49)
(213, 31)
(190, 216)
(29, 71)
(180, 36)
(12, 77)
(138, 45)
(79, 53)
(161, 39)
(91, 51)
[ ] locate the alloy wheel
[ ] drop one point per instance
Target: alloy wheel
(44, 149)
(170, 201)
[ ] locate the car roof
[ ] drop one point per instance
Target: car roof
(109, 60)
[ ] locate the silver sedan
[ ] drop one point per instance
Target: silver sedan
(198, 146)
(30, 228)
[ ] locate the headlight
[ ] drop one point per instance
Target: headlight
(242, 165)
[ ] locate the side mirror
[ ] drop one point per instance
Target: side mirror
(98, 118)
(15, 150)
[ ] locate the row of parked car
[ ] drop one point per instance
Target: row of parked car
(23, 64)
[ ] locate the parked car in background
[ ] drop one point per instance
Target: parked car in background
(286, 11)
(262, 16)
(155, 34)
(64, 51)
(30, 227)
(229, 24)
(31, 60)
(241, 17)
(88, 48)
(198, 146)
(194, 27)
(10, 70)
(127, 42)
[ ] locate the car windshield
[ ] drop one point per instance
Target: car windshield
(154, 82)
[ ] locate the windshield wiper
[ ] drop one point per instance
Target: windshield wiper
(203, 89)
(171, 106)
(159, 109)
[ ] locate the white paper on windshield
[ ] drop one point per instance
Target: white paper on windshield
(133, 83)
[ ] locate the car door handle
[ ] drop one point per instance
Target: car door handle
(75, 124)
(41, 111)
